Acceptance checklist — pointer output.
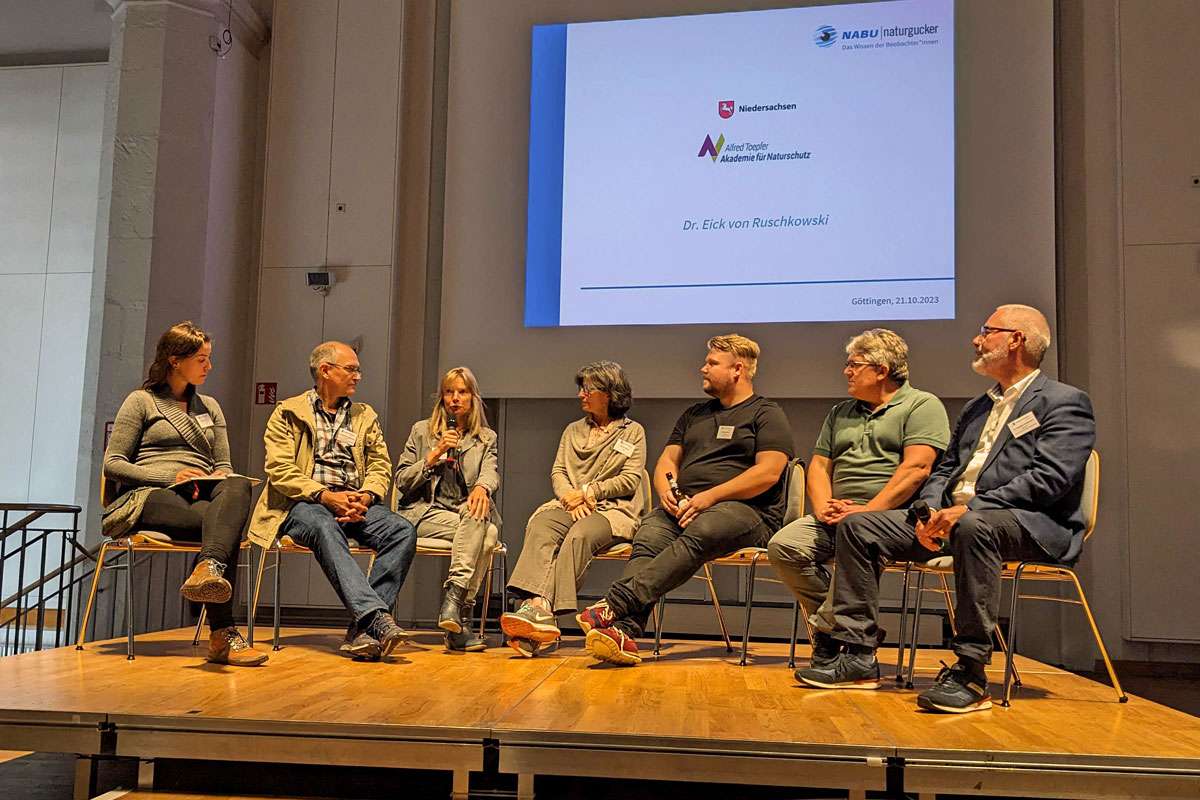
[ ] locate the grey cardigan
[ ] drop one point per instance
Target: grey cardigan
(615, 476)
(153, 438)
(416, 486)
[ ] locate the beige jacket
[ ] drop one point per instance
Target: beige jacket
(289, 438)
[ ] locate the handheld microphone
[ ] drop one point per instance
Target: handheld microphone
(452, 453)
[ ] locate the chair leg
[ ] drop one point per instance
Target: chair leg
(91, 601)
(903, 623)
(275, 640)
(948, 599)
(916, 625)
(795, 631)
(258, 577)
(749, 607)
(129, 617)
(712, 592)
(503, 591)
(200, 624)
(1004, 649)
(661, 605)
(1112, 672)
(246, 587)
(487, 597)
(1012, 635)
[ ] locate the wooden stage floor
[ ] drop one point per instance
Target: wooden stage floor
(691, 714)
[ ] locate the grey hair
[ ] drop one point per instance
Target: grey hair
(883, 348)
(324, 353)
(1032, 323)
(608, 377)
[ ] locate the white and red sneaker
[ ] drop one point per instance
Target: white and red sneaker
(613, 646)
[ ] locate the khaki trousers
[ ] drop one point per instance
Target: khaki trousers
(556, 554)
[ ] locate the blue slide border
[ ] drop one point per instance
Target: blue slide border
(543, 234)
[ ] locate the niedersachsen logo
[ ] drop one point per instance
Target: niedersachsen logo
(711, 149)
(825, 36)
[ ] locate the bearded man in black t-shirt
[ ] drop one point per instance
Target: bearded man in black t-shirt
(728, 457)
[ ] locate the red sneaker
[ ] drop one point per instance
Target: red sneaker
(598, 615)
(613, 646)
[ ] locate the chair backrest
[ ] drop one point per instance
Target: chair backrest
(107, 487)
(647, 495)
(1089, 501)
(795, 490)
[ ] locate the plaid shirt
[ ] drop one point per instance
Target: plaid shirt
(333, 462)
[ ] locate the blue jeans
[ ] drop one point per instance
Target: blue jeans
(392, 537)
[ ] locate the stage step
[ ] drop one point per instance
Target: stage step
(142, 794)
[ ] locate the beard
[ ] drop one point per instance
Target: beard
(988, 357)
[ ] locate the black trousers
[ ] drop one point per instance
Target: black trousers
(980, 544)
(215, 519)
(664, 556)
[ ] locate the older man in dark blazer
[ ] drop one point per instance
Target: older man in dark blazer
(1008, 487)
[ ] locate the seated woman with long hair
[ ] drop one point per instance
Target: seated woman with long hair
(169, 456)
(596, 477)
(444, 486)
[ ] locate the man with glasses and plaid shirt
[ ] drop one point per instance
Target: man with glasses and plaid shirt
(328, 473)
(1008, 488)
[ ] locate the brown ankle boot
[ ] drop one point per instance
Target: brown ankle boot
(226, 646)
(206, 584)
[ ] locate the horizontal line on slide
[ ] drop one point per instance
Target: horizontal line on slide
(756, 283)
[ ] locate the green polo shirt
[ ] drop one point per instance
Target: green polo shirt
(866, 446)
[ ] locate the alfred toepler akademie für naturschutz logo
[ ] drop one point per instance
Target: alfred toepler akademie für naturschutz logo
(709, 148)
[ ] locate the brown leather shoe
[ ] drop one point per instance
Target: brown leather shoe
(226, 646)
(206, 584)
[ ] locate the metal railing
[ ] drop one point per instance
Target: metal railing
(46, 573)
(42, 566)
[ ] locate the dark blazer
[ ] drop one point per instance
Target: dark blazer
(1039, 476)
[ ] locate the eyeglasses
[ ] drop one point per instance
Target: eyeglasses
(351, 370)
(590, 390)
(987, 330)
(854, 365)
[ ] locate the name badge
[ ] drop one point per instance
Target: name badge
(624, 447)
(725, 432)
(204, 420)
(1023, 425)
(346, 437)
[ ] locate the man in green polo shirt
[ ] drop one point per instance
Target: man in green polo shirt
(874, 452)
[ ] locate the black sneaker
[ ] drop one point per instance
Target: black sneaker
(957, 690)
(846, 671)
(359, 645)
(825, 649)
(384, 628)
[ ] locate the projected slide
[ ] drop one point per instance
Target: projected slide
(767, 166)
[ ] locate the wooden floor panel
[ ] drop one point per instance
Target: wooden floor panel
(694, 693)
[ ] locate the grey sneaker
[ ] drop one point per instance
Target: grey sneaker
(957, 690)
(359, 645)
(530, 622)
(847, 671)
(384, 629)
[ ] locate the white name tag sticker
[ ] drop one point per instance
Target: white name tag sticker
(725, 432)
(1023, 425)
(624, 447)
(346, 437)
(204, 420)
